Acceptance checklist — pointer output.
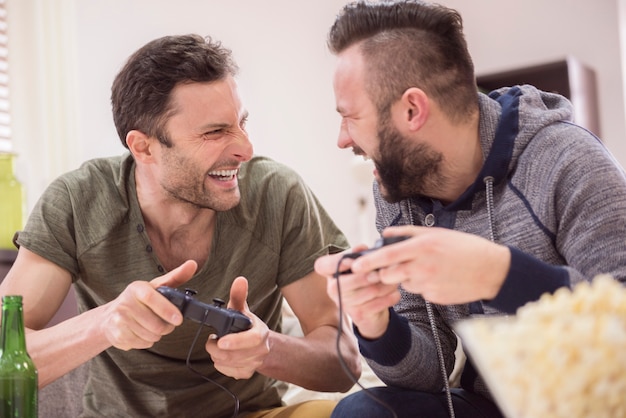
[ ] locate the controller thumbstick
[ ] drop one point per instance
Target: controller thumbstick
(190, 292)
(218, 302)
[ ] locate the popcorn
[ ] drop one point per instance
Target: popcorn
(561, 356)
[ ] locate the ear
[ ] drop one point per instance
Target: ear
(139, 145)
(415, 106)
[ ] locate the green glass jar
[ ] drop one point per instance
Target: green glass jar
(18, 375)
(11, 202)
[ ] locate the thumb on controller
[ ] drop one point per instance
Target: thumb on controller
(177, 277)
(239, 295)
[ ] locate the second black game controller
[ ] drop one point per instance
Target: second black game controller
(223, 320)
(380, 242)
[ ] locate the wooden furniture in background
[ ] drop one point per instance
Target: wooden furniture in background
(568, 77)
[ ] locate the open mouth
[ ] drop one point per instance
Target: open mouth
(223, 175)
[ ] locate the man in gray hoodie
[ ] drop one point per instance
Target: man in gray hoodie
(502, 197)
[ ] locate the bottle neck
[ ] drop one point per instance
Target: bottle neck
(13, 337)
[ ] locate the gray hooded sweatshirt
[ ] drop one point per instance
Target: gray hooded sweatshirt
(549, 190)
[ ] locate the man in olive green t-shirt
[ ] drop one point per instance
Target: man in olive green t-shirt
(189, 205)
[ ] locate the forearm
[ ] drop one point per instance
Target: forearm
(59, 349)
(312, 361)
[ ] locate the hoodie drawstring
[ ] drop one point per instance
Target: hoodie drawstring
(433, 327)
(489, 198)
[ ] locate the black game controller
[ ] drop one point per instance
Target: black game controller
(224, 320)
(380, 242)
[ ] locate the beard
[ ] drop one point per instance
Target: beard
(406, 169)
(185, 181)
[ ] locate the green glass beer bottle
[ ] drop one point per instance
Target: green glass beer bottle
(18, 375)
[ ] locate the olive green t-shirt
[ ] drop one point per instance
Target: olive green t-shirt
(89, 222)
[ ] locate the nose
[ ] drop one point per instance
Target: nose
(344, 140)
(241, 147)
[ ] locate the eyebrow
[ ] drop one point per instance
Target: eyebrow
(221, 125)
(211, 126)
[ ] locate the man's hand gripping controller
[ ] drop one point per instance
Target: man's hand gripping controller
(224, 320)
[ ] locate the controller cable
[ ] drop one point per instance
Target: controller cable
(190, 367)
(342, 361)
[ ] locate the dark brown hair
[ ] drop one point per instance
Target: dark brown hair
(140, 95)
(410, 44)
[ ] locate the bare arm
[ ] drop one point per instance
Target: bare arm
(136, 319)
(43, 286)
(312, 361)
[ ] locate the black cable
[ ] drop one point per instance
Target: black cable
(188, 362)
(342, 361)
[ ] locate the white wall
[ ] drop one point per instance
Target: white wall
(65, 54)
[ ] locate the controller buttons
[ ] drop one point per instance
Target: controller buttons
(190, 292)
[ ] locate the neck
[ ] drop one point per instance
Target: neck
(463, 158)
(178, 230)
(165, 214)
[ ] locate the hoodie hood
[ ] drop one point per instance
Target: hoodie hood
(510, 118)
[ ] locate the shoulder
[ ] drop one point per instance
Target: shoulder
(98, 172)
(261, 168)
(100, 189)
(78, 210)
(262, 176)
(565, 145)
